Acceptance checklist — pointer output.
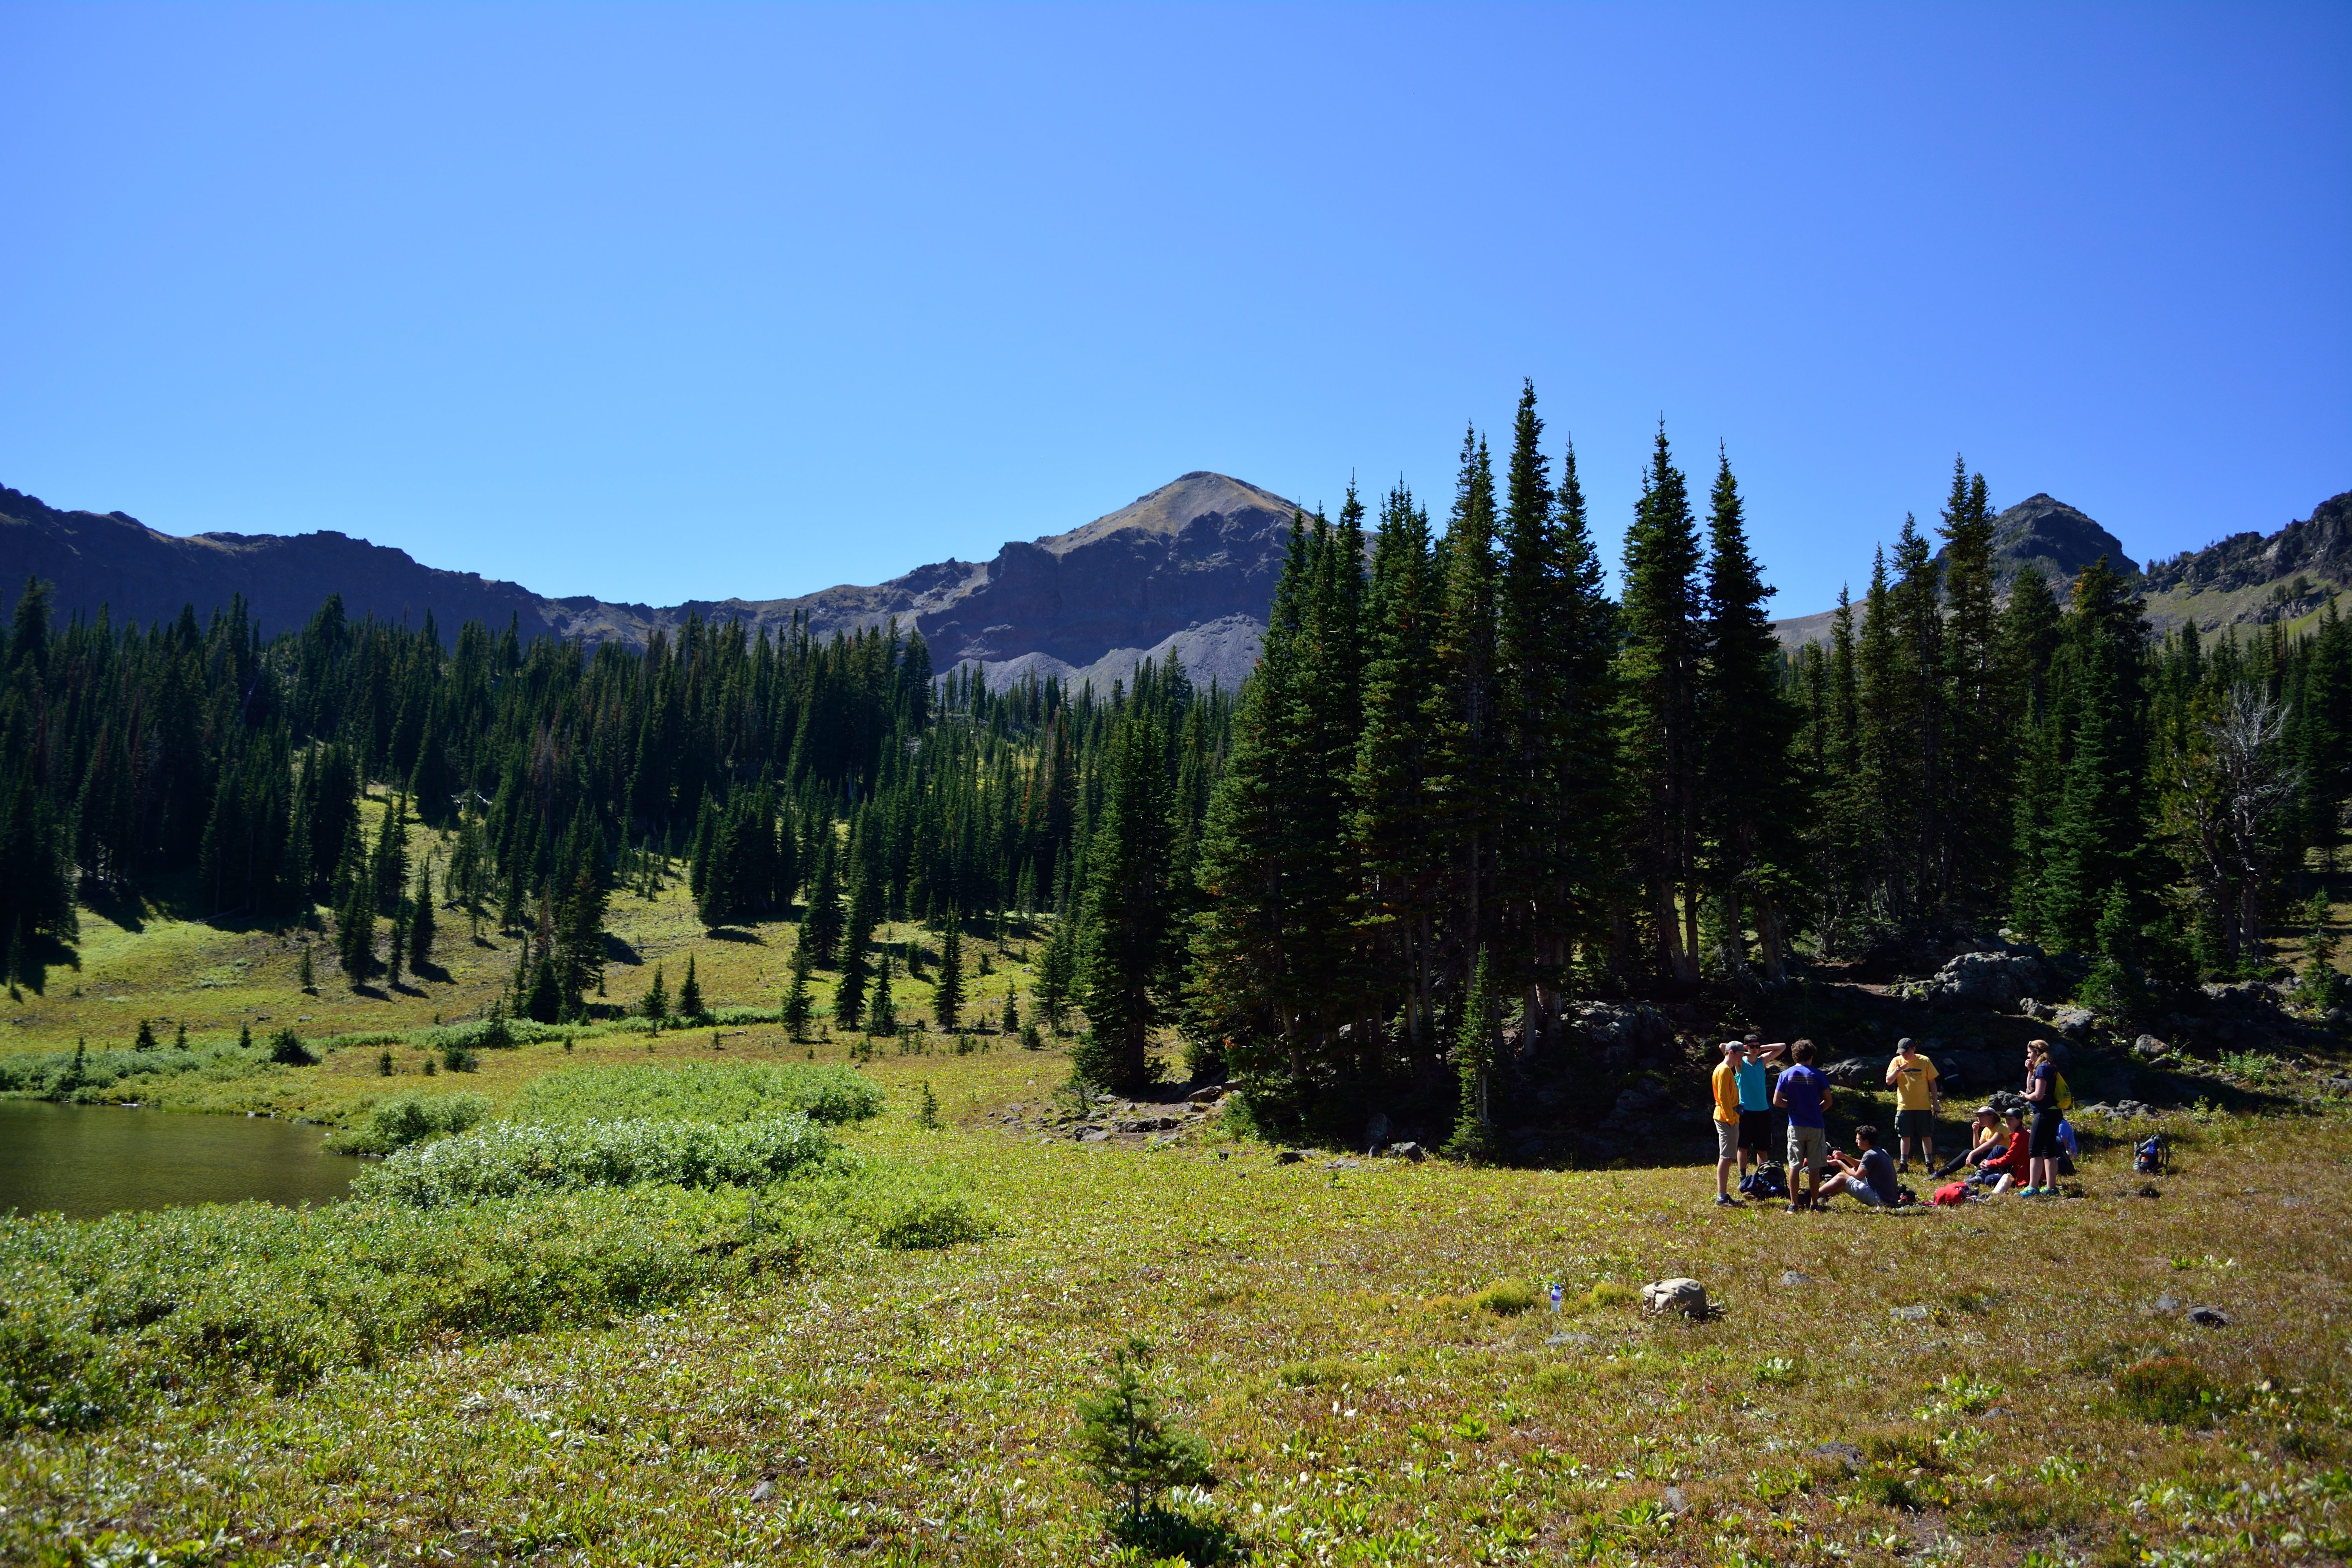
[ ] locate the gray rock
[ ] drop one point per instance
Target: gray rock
(1687, 1297)
(761, 1493)
(1408, 1149)
(1856, 1072)
(1630, 1031)
(1910, 1315)
(1582, 1341)
(2165, 1305)
(2208, 1317)
(1987, 980)
(2075, 1023)
(1207, 1093)
(1290, 1156)
(1790, 1278)
(1845, 1454)
(2148, 1048)
(1671, 1499)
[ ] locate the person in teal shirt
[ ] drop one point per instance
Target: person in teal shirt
(1758, 1136)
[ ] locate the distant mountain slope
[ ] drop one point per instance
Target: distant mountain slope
(2246, 578)
(1186, 572)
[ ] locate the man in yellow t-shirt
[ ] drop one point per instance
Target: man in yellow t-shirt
(1918, 1097)
(1727, 1121)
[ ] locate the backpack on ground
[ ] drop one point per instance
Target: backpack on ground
(2151, 1156)
(1766, 1181)
(1950, 1195)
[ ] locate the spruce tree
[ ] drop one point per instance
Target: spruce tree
(396, 962)
(355, 931)
(1057, 970)
(1657, 669)
(1127, 1448)
(690, 994)
(422, 929)
(1977, 810)
(797, 1001)
(882, 1012)
(1747, 729)
(1473, 1062)
(947, 987)
(1127, 953)
(305, 978)
(655, 1005)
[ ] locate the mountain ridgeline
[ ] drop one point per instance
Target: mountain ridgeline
(1461, 788)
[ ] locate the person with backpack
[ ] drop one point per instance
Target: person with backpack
(1918, 1095)
(1805, 1095)
(2045, 1091)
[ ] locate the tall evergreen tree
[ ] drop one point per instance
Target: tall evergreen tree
(1127, 951)
(1657, 709)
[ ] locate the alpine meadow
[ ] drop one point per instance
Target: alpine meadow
(821, 1107)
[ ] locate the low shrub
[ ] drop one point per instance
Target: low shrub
(103, 1314)
(1329, 1369)
(2171, 1390)
(87, 1075)
(697, 1091)
(405, 1119)
(504, 1159)
(933, 1222)
(1506, 1298)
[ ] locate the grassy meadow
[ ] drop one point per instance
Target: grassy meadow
(871, 1347)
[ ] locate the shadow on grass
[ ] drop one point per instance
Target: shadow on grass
(730, 934)
(432, 973)
(619, 951)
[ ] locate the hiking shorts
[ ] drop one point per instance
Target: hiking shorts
(1756, 1132)
(1915, 1124)
(1726, 1139)
(2044, 1143)
(1867, 1195)
(1808, 1147)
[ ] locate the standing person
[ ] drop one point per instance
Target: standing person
(1918, 1095)
(1756, 1140)
(1725, 1084)
(1804, 1094)
(2042, 1093)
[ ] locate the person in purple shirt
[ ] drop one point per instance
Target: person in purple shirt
(1804, 1094)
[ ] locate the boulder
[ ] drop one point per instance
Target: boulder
(1687, 1297)
(1857, 1072)
(2075, 1023)
(2148, 1048)
(2208, 1317)
(1993, 980)
(1406, 1151)
(1640, 1098)
(1620, 1033)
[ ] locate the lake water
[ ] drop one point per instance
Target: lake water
(89, 1160)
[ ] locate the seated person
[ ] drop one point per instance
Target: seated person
(1988, 1140)
(1870, 1179)
(2008, 1168)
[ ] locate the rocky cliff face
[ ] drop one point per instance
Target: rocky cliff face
(1186, 572)
(2318, 546)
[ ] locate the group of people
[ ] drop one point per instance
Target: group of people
(2003, 1154)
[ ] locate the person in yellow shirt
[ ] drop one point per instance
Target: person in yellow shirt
(1917, 1098)
(1727, 1121)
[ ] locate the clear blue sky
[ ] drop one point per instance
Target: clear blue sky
(671, 302)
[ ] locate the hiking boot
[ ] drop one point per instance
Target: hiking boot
(1723, 1202)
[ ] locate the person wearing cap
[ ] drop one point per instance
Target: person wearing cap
(1758, 1135)
(1987, 1140)
(1917, 1098)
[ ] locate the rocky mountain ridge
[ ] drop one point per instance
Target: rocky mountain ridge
(1186, 572)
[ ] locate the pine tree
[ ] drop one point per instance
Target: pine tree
(947, 987)
(304, 977)
(395, 962)
(421, 921)
(690, 994)
(1473, 1062)
(1657, 714)
(1057, 970)
(882, 1012)
(1126, 953)
(355, 930)
(544, 1005)
(797, 1001)
(1127, 1448)
(1976, 811)
(655, 1005)
(1011, 1025)
(1747, 729)
(145, 1039)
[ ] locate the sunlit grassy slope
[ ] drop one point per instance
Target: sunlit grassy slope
(1938, 1387)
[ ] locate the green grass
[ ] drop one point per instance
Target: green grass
(802, 1372)
(701, 1092)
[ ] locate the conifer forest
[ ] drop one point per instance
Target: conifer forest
(1464, 787)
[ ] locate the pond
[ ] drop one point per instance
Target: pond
(89, 1160)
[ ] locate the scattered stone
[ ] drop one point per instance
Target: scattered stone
(1094, 1135)
(761, 1493)
(1856, 1072)
(1289, 1156)
(1408, 1149)
(1790, 1278)
(1910, 1315)
(1582, 1341)
(1207, 1093)
(2148, 1048)
(1343, 1164)
(1672, 1498)
(1845, 1454)
(2208, 1317)
(1687, 1297)
(2150, 1190)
